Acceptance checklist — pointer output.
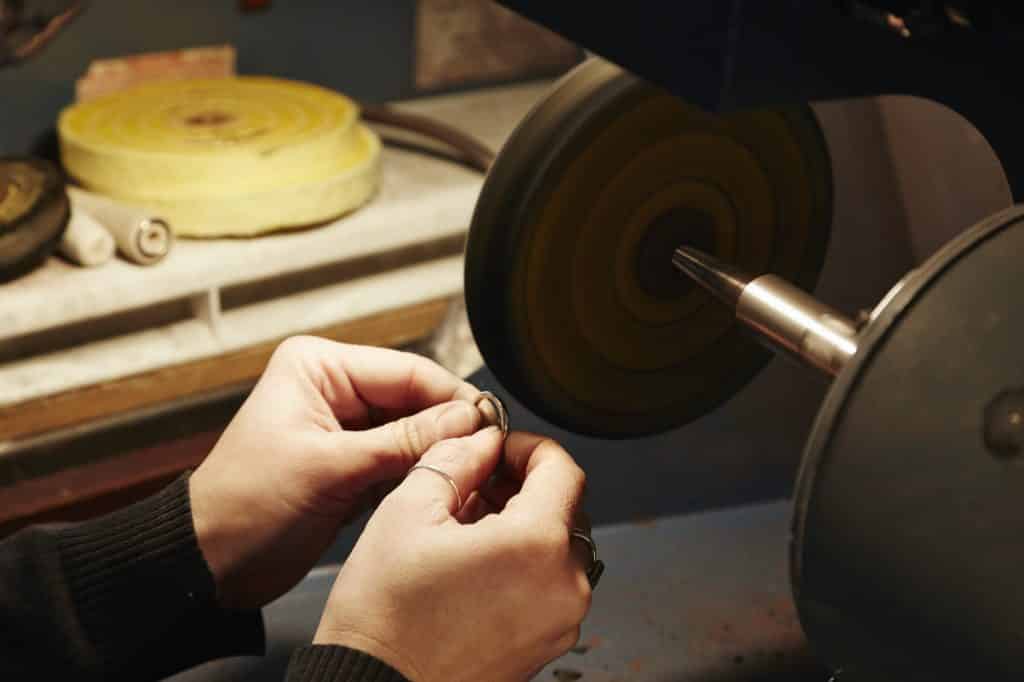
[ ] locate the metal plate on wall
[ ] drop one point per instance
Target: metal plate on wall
(460, 42)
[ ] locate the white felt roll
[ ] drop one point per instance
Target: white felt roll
(85, 241)
(141, 236)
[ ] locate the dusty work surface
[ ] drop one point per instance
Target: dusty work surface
(212, 297)
(697, 598)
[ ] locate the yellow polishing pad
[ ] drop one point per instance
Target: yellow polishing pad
(225, 157)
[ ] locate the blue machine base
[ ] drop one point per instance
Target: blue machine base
(695, 598)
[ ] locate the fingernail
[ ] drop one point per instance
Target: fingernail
(487, 435)
(459, 418)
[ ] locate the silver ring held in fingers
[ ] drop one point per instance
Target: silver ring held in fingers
(443, 474)
(596, 568)
(494, 410)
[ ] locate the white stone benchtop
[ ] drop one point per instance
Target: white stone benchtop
(422, 200)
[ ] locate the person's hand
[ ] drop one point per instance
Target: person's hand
(494, 592)
(326, 427)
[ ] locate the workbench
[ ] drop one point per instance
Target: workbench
(85, 353)
(79, 344)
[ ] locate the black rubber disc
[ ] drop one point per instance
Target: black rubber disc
(34, 212)
(569, 284)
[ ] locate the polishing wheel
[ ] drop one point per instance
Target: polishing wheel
(570, 287)
(225, 157)
(34, 212)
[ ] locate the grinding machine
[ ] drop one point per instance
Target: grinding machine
(661, 219)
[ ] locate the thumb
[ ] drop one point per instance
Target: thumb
(454, 469)
(388, 451)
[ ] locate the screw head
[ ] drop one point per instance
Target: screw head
(1004, 424)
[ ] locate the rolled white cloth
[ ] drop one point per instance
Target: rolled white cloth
(141, 237)
(85, 241)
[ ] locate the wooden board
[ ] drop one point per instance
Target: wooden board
(84, 492)
(396, 327)
(105, 76)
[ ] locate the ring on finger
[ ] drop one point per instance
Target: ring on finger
(446, 476)
(596, 568)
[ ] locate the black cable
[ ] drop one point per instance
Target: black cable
(50, 29)
(470, 150)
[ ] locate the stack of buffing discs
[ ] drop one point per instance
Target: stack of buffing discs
(570, 287)
(33, 213)
(224, 157)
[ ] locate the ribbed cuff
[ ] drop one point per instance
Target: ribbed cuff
(142, 589)
(328, 663)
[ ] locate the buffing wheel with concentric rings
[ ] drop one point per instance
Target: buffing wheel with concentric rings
(224, 157)
(570, 288)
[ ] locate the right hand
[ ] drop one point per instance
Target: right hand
(494, 592)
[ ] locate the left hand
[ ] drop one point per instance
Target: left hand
(493, 591)
(326, 427)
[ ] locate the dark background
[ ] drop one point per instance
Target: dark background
(361, 47)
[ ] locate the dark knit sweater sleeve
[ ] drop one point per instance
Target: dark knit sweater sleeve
(320, 663)
(127, 596)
